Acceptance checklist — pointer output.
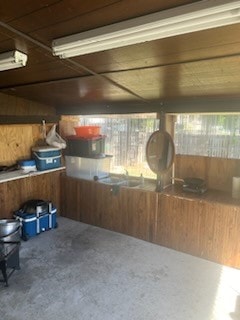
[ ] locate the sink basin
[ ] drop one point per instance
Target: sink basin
(132, 183)
(112, 181)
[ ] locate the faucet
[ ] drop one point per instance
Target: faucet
(142, 180)
(126, 174)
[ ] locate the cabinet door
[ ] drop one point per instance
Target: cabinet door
(202, 228)
(220, 236)
(179, 223)
(70, 190)
(139, 208)
(125, 210)
(88, 202)
(109, 207)
(128, 211)
(79, 198)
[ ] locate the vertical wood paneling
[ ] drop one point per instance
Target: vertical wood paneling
(89, 212)
(14, 193)
(202, 228)
(217, 172)
(127, 211)
(107, 208)
(69, 198)
(140, 213)
(190, 166)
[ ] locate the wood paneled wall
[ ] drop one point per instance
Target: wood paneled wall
(217, 172)
(207, 229)
(14, 193)
(124, 210)
(16, 140)
(11, 105)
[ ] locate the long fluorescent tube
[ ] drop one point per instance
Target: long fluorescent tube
(12, 59)
(198, 16)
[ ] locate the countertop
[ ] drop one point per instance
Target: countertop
(20, 174)
(214, 196)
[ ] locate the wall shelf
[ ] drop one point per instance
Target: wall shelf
(28, 119)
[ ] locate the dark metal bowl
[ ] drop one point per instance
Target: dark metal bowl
(8, 226)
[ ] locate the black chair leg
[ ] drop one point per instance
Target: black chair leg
(4, 272)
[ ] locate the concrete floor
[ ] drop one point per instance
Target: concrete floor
(83, 272)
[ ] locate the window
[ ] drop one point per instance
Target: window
(215, 135)
(126, 139)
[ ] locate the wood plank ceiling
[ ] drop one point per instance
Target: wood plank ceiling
(201, 66)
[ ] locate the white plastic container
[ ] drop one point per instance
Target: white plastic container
(28, 165)
(87, 168)
(236, 187)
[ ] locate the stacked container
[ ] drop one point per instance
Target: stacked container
(85, 154)
(85, 147)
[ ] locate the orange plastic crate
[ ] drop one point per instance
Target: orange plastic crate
(87, 131)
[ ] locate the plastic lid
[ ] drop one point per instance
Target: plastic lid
(45, 148)
(75, 137)
(29, 162)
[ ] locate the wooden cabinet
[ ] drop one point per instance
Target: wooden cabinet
(124, 210)
(14, 193)
(198, 225)
(179, 223)
(79, 200)
(109, 208)
(70, 198)
(139, 206)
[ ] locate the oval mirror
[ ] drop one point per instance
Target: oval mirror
(160, 152)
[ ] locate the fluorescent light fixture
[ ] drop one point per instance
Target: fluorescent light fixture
(198, 16)
(12, 59)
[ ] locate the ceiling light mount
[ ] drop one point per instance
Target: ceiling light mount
(189, 18)
(12, 59)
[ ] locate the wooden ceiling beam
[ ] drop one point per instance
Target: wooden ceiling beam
(171, 106)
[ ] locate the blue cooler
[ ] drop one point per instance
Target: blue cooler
(32, 223)
(47, 157)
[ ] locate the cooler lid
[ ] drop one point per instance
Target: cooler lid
(45, 149)
(94, 138)
(31, 206)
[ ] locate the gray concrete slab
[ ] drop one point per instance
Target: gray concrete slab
(83, 272)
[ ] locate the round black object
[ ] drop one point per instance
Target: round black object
(31, 206)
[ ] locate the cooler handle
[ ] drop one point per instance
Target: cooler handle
(40, 158)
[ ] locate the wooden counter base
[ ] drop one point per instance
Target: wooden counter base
(14, 193)
(206, 226)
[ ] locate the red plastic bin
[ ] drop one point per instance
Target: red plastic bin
(87, 131)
